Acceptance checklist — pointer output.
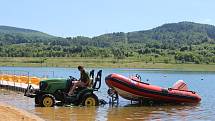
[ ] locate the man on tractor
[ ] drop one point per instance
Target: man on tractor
(84, 80)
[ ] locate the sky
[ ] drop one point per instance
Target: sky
(69, 18)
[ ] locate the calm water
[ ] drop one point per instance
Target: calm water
(201, 82)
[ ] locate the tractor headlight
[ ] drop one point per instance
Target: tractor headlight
(43, 85)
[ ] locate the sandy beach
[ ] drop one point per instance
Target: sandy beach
(10, 113)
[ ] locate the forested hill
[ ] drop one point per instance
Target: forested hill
(173, 34)
(180, 33)
(173, 42)
(14, 35)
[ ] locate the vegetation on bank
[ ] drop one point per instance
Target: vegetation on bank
(175, 43)
(100, 63)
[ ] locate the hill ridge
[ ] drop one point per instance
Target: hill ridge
(11, 28)
(173, 42)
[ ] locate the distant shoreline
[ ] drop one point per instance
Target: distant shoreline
(89, 62)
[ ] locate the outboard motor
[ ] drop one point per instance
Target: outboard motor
(180, 85)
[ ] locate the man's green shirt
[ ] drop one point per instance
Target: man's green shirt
(85, 77)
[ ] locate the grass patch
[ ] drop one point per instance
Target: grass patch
(100, 63)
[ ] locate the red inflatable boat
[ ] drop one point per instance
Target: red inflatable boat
(134, 89)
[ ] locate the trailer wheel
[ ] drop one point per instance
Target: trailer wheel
(90, 100)
(47, 100)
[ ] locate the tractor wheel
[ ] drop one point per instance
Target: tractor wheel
(90, 100)
(47, 100)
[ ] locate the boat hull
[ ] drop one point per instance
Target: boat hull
(136, 90)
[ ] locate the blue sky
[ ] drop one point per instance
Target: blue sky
(94, 17)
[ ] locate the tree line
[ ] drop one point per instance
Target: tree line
(183, 42)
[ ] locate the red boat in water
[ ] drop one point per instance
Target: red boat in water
(133, 89)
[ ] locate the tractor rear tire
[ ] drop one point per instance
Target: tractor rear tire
(90, 100)
(47, 100)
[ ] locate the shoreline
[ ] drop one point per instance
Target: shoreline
(129, 63)
(11, 113)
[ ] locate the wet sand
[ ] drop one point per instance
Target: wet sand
(10, 113)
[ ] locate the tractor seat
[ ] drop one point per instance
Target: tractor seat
(90, 83)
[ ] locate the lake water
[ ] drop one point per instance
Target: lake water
(201, 82)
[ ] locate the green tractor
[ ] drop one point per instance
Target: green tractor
(54, 91)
